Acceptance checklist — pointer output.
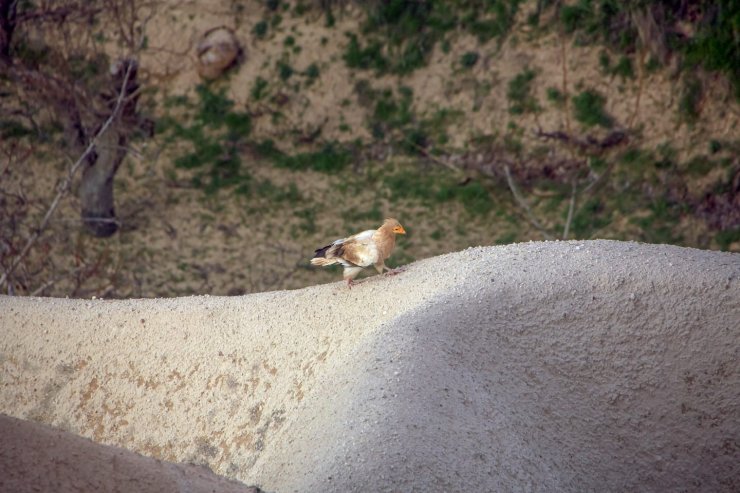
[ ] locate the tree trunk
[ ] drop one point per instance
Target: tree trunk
(96, 189)
(7, 25)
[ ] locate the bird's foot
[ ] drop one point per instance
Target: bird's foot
(350, 282)
(396, 271)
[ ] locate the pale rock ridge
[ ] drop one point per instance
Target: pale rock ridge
(559, 366)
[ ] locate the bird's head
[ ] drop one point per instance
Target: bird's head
(395, 226)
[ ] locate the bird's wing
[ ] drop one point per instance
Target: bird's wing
(359, 249)
(363, 237)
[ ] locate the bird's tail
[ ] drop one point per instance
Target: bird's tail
(323, 261)
(321, 258)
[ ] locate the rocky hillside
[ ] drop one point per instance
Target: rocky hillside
(473, 122)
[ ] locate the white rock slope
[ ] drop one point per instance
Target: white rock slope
(568, 366)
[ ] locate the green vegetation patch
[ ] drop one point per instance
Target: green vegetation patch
(469, 59)
(366, 57)
(593, 216)
(10, 129)
(331, 158)
(493, 20)
(606, 21)
(623, 68)
(259, 89)
(399, 35)
(555, 96)
(588, 108)
(430, 187)
(260, 29)
(215, 134)
(393, 120)
(659, 225)
(726, 238)
(519, 93)
(716, 45)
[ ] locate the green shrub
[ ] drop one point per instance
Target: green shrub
(10, 129)
(699, 166)
(259, 88)
(588, 108)
(215, 134)
(519, 93)
(312, 71)
(554, 95)
(300, 9)
(475, 198)
(715, 146)
(600, 20)
(487, 28)
(408, 184)
(726, 238)
(394, 112)
(652, 65)
(623, 68)
(369, 57)
(331, 158)
(469, 59)
(413, 55)
(285, 71)
(575, 16)
(716, 45)
(636, 157)
(400, 34)
(260, 29)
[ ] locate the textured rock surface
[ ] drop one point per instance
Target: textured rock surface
(217, 51)
(34, 458)
(566, 366)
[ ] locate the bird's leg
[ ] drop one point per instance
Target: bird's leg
(381, 268)
(350, 272)
(393, 272)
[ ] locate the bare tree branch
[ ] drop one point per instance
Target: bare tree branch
(564, 65)
(571, 207)
(614, 138)
(53, 281)
(60, 14)
(64, 188)
(437, 160)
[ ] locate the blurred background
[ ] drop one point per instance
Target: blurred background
(168, 147)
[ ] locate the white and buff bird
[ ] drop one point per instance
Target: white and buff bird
(362, 250)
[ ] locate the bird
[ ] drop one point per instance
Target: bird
(354, 253)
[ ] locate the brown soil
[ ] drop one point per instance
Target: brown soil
(175, 240)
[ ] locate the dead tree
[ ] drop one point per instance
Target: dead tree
(96, 188)
(80, 106)
(8, 9)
